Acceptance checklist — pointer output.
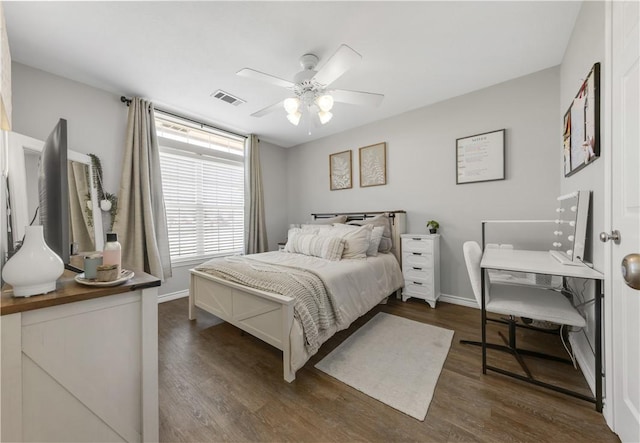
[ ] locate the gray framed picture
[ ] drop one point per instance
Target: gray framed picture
(581, 138)
(340, 171)
(373, 165)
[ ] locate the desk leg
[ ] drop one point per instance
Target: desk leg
(484, 322)
(598, 344)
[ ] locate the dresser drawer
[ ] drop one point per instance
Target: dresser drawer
(417, 260)
(415, 289)
(416, 244)
(418, 274)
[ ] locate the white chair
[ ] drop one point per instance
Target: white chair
(518, 301)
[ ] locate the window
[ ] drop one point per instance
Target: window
(203, 186)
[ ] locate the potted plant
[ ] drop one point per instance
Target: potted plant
(433, 226)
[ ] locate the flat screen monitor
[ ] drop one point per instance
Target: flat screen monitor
(53, 189)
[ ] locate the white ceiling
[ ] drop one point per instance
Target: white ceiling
(177, 53)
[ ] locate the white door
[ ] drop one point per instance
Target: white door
(625, 217)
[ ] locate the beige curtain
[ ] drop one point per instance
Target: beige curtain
(256, 238)
(141, 222)
(80, 224)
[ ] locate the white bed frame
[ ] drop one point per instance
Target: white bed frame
(266, 315)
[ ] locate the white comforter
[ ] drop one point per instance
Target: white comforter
(356, 284)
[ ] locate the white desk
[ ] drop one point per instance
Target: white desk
(541, 262)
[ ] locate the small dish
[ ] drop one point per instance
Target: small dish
(124, 276)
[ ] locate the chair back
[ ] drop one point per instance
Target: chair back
(472, 257)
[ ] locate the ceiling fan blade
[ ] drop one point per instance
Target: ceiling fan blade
(357, 97)
(257, 75)
(269, 109)
(339, 63)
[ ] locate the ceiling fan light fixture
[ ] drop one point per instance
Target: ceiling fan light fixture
(325, 116)
(325, 103)
(291, 105)
(294, 117)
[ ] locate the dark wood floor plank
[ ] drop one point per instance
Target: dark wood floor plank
(219, 384)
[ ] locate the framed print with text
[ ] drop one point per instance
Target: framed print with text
(480, 157)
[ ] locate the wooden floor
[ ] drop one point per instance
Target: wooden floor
(218, 384)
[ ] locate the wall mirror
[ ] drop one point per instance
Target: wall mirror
(85, 217)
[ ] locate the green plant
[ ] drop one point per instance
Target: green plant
(432, 224)
(113, 211)
(108, 202)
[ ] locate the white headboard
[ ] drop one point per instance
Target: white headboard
(397, 219)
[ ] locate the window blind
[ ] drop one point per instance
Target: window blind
(204, 196)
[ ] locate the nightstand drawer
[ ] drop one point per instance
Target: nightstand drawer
(419, 275)
(421, 267)
(410, 244)
(417, 260)
(418, 290)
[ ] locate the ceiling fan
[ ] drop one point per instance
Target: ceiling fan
(310, 87)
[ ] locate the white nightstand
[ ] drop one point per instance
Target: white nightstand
(281, 246)
(421, 267)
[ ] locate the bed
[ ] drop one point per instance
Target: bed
(356, 285)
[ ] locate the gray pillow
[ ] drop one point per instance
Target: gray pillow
(379, 220)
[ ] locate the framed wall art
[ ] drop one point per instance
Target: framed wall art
(480, 157)
(581, 134)
(340, 171)
(373, 165)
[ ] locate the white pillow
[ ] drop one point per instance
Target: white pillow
(313, 229)
(374, 243)
(330, 248)
(357, 239)
(379, 220)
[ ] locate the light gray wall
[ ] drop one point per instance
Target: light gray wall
(585, 48)
(96, 119)
(421, 166)
(97, 123)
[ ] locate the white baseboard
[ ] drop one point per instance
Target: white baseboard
(457, 300)
(173, 296)
(584, 357)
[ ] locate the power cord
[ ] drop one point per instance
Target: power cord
(566, 348)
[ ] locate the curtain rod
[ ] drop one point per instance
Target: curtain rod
(127, 101)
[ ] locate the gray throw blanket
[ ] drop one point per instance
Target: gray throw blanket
(314, 306)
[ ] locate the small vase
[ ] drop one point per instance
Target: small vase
(35, 268)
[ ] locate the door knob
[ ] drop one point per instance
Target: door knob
(631, 270)
(615, 236)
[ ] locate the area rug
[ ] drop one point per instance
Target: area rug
(394, 360)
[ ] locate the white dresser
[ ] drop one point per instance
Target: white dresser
(81, 363)
(421, 267)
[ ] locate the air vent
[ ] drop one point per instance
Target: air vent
(228, 98)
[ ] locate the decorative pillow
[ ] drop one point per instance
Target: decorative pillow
(379, 220)
(330, 248)
(374, 243)
(313, 229)
(357, 239)
(329, 221)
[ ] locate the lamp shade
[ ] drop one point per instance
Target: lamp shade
(35, 268)
(325, 103)
(291, 105)
(325, 116)
(294, 118)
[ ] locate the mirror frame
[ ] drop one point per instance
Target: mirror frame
(18, 144)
